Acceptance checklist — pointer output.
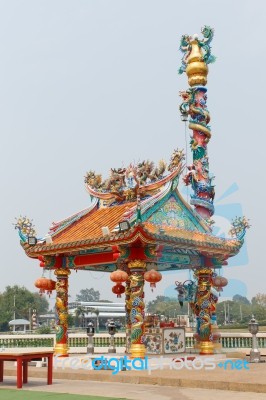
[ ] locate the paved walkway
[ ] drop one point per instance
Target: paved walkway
(247, 381)
(133, 392)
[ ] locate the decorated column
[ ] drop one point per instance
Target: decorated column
(128, 315)
(61, 347)
(197, 54)
(204, 308)
(137, 269)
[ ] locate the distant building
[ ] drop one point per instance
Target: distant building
(46, 319)
(106, 312)
(19, 325)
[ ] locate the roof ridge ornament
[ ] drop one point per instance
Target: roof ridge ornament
(239, 227)
(143, 179)
(197, 54)
(25, 228)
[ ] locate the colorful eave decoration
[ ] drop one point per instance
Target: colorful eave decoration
(161, 225)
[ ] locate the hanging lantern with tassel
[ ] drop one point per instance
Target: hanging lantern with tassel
(42, 262)
(119, 276)
(45, 285)
(118, 289)
(152, 277)
(219, 282)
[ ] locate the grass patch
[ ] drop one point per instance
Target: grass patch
(13, 394)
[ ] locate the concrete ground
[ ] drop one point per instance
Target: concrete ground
(132, 391)
(165, 383)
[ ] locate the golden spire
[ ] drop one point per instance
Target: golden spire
(197, 69)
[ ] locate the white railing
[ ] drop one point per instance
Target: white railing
(78, 342)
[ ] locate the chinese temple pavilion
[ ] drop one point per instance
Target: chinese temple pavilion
(138, 225)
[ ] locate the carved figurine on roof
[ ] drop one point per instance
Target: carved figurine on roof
(143, 179)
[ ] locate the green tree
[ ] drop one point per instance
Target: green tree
(241, 299)
(88, 295)
(44, 330)
(259, 300)
(234, 312)
(167, 306)
(79, 315)
(71, 320)
(259, 312)
(18, 302)
(97, 312)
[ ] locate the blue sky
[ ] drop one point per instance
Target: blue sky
(94, 84)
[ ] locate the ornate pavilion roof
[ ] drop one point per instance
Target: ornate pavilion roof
(157, 215)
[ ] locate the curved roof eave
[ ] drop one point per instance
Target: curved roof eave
(203, 243)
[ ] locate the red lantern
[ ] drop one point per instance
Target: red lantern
(119, 276)
(42, 262)
(153, 277)
(45, 284)
(116, 253)
(40, 284)
(118, 289)
(219, 282)
(50, 286)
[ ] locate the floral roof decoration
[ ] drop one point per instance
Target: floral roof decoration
(25, 228)
(239, 227)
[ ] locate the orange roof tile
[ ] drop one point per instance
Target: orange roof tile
(89, 226)
(196, 236)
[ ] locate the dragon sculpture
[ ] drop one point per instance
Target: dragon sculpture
(128, 307)
(194, 106)
(186, 291)
(61, 307)
(128, 183)
(137, 308)
(204, 44)
(204, 305)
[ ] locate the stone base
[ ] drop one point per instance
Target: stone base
(112, 350)
(206, 348)
(61, 350)
(254, 356)
(137, 351)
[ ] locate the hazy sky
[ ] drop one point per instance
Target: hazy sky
(93, 84)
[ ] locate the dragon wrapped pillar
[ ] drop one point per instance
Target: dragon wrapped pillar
(204, 308)
(61, 347)
(128, 316)
(137, 269)
(197, 54)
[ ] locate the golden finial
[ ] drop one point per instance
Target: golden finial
(197, 54)
(196, 70)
